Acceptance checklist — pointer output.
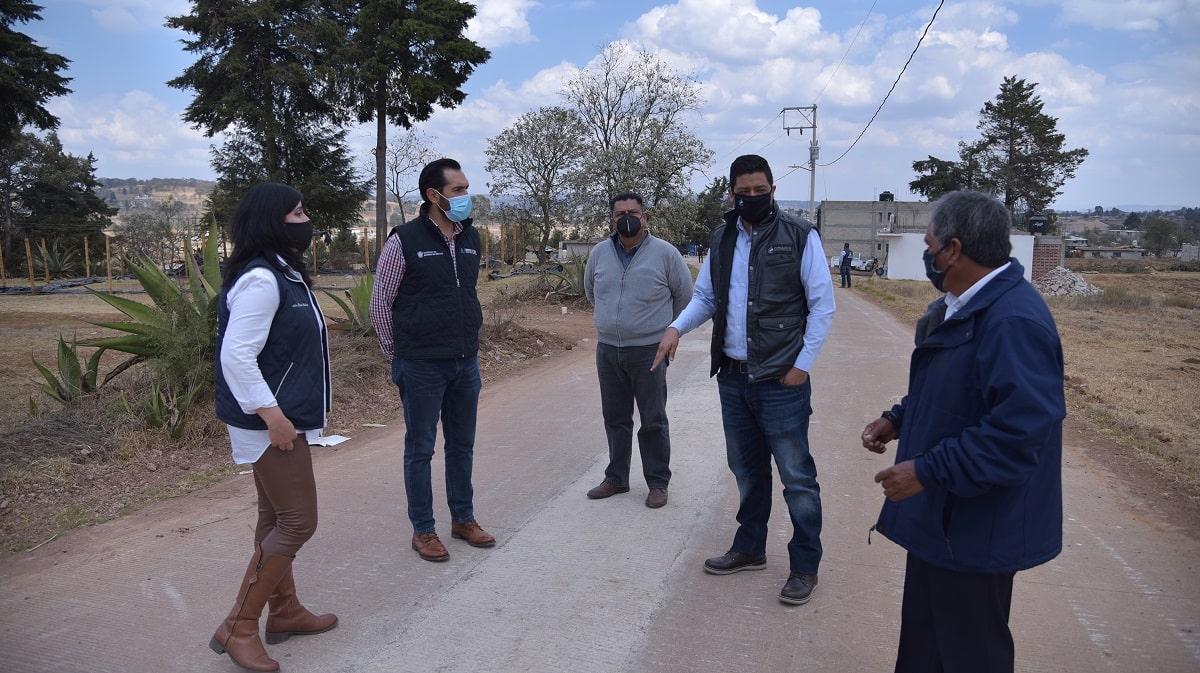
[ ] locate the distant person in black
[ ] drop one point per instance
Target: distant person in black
(844, 264)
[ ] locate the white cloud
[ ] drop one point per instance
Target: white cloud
(732, 30)
(132, 136)
(1134, 16)
(498, 23)
(135, 16)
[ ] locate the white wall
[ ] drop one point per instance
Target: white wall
(905, 259)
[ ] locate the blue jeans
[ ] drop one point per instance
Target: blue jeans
(429, 389)
(625, 378)
(766, 420)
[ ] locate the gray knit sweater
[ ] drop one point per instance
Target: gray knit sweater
(634, 306)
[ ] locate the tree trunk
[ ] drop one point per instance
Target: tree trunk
(381, 219)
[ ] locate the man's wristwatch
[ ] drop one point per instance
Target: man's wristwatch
(893, 418)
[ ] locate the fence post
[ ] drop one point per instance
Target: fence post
(45, 262)
(87, 259)
(29, 262)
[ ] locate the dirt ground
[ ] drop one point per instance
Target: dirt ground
(1130, 373)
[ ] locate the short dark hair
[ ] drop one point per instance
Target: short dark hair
(434, 175)
(747, 164)
(257, 230)
(979, 221)
(625, 196)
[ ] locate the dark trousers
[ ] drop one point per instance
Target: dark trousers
(845, 276)
(954, 622)
(626, 379)
(287, 499)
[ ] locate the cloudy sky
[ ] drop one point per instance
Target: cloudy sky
(1122, 78)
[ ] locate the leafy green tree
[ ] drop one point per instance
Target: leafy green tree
(1020, 156)
(28, 74)
(636, 109)
(267, 75)
(1021, 152)
(402, 58)
(1161, 235)
(47, 193)
(710, 211)
(317, 162)
(536, 160)
(1133, 222)
(935, 178)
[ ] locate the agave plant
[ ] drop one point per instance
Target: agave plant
(570, 279)
(72, 380)
(179, 327)
(357, 307)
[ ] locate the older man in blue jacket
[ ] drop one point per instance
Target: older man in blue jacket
(976, 491)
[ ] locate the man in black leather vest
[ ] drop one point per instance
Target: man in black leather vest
(767, 288)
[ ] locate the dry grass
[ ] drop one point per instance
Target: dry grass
(91, 461)
(1132, 356)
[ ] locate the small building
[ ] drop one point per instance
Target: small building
(862, 224)
(1126, 252)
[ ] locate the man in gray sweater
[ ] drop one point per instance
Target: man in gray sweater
(638, 284)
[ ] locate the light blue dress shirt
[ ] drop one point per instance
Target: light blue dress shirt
(818, 288)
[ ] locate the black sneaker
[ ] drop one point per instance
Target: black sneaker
(798, 589)
(732, 562)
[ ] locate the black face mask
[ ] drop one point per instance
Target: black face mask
(299, 234)
(629, 226)
(753, 209)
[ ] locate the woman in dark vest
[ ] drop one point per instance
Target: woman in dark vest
(272, 391)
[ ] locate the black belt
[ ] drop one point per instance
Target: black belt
(732, 365)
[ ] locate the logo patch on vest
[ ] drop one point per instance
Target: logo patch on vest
(776, 249)
(469, 251)
(429, 253)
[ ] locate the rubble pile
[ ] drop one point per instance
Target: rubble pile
(1060, 282)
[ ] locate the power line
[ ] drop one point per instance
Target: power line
(889, 93)
(846, 53)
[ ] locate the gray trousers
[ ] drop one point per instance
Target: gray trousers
(626, 379)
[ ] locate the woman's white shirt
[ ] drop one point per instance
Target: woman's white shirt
(252, 302)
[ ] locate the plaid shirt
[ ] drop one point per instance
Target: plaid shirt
(389, 273)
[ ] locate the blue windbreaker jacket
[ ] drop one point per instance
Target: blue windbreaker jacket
(983, 421)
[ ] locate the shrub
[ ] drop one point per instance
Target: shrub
(72, 380)
(357, 307)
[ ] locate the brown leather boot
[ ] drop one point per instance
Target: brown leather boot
(238, 634)
(289, 618)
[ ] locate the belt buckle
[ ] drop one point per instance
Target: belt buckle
(743, 366)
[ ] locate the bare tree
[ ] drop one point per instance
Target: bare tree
(635, 108)
(406, 156)
(536, 162)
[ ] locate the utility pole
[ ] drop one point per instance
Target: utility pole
(806, 118)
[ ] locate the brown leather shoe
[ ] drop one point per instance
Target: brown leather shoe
(429, 547)
(472, 533)
(605, 490)
(657, 498)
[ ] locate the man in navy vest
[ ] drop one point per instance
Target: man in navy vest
(427, 318)
(844, 263)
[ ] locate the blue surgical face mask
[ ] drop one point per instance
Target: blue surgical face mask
(938, 278)
(460, 207)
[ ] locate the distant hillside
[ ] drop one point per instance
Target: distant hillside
(129, 194)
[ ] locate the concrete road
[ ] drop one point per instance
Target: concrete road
(604, 586)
